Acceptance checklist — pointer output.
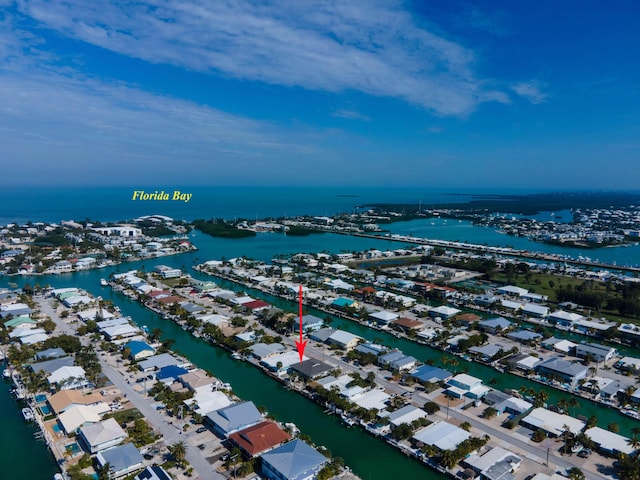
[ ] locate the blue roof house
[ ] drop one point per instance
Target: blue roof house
(140, 350)
(295, 460)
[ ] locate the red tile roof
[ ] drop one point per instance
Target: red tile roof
(171, 299)
(256, 304)
(259, 438)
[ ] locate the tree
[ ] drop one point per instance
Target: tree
(628, 467)
(613, 427)
(575, 473)
(448, 459)
(489, 413)
(540, 398)
(178, 451)
(634, 441)
(465, 426)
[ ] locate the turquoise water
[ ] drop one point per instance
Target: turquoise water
(25, 457)
(465, 231)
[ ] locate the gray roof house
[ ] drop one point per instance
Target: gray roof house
(292, 461)
(123, 460)
(494, 325)
(102, 435)
(234, 418)
(568, 372)
(51, 366)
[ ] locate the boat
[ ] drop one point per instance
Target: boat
(6, 373)
(236, 355)
(28, 414)
(104, 282)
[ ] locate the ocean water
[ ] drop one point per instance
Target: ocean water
(52, 204)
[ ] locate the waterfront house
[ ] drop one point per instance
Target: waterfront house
(260, 438)
(370, 399)
(505, 403)
(559, 345)
(123, 460)
(487, 352)
(557, 368)
(309, 323)
(80, 415)
(262, 351)
(406, 414)
(442, 435)
(139, 350)
(494, 325)
(159, 361)
(295, 460)
(598, 353)
(102, 435)
(371, 348)
(444, 312)
(170, 374)
(463, 385)
(535, 310)
(311, 369)
(406, 324)
(431, 374)
(564, 319)
(397, 361)
(522, 361)
(50, 366)
(496, 464)
(69, 378)
(344, 340)
(512, 290)
(282, 362)
(552, 423)
(66, 399)
(206, 400)
(524, 336)
(383, 317)
(233, 418)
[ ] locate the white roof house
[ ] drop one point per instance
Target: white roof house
(206, 400)
(63, 374)
(609, 441)
(551, 422)
(406, 414)
(101, 435)
(442, 435)
(383, 316)
(80, 415)
(372, 399)
(512, 290)
(344, 340)
(444, 311)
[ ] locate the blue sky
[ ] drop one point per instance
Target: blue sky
(456, 94)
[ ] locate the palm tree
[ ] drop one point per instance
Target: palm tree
(573, 402)
(540, 398)
(178, 451)
(634, 441)
(563, 404)
(448, 459)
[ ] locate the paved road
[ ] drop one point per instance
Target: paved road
(170, 432)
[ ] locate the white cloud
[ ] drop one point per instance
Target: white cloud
(350, 115)
(531, 90)
(374, 47)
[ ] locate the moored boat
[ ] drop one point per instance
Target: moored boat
(28, 414)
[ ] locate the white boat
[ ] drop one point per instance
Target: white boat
(6, 373)
(103, 282)
(27, 413)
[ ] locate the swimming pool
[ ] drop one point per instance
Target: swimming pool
(56, 428)
(41, 398)
(45, 410)
(72, 448)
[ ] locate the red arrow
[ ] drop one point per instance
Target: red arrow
(301, 344)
